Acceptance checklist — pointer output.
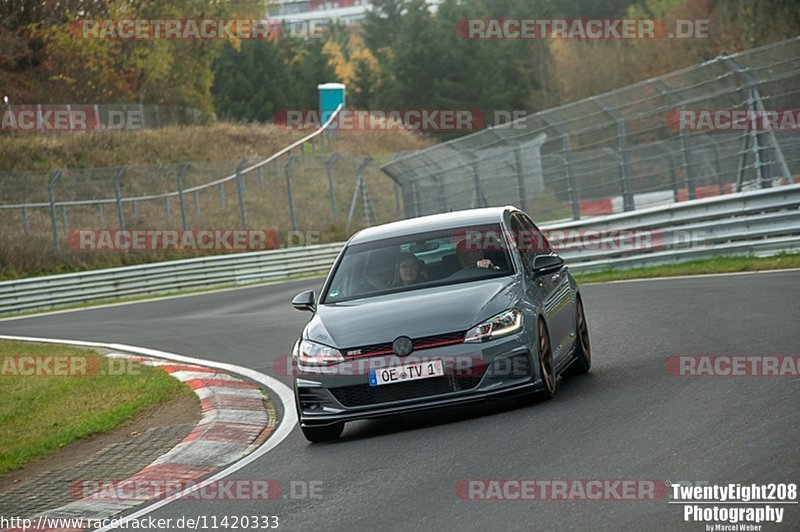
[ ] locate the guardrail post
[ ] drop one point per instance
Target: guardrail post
(179, 180)
(329, 170)
(118, 197)
(53, 215)
(288, 172)
(240, 191)
(523, 200)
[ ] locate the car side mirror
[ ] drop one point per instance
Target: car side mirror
(305, 301)
(544, 264)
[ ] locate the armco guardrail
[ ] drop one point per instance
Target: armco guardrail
(197, 273)
(762, 221)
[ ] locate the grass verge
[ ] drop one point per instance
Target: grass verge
(697, 267)
(40, 413)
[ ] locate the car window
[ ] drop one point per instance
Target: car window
(420, 260)
(528, 239)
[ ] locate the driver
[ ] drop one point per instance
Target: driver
(471, 257)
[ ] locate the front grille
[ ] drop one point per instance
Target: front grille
(364, 394)
(426, 342)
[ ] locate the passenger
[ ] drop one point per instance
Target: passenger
(470, 257)
(409, 270)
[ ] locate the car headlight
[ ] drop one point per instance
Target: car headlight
(507, 322)
(311, 354)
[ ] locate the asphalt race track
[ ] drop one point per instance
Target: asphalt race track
(628, 419)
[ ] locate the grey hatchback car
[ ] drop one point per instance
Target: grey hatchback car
(437, 311)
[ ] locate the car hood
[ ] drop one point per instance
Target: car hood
(415, 314)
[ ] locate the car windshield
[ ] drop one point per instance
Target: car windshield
(418, 261)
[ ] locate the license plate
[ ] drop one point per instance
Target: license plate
(407, 372)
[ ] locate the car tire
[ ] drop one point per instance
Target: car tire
(322, 434)
(546, 366)
(583, 349)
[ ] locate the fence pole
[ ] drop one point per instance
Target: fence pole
(240, 191)
(101, 215)
(397, 193)
(181, 202)
(329, 170)
(758, 104)
(520, 180)
(478, 197)
(288, 172)
(222, 195)
(118, 197)
(53, 215)
(683, 135)
(167, 209)
(353, 203)
(25, 222)
(197, 206)
(622, 143)
(64, 221)
(366, 208)
(671, 166)
(261, 185)
(573, 187)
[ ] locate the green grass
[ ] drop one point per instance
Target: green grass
(698, 267)
(40, 414)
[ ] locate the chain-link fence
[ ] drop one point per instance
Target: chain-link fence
(309, 194)
(626, 149)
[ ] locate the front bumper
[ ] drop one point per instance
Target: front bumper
(476, 372)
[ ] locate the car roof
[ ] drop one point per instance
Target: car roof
(434, 222)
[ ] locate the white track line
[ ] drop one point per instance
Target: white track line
(285, 427)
